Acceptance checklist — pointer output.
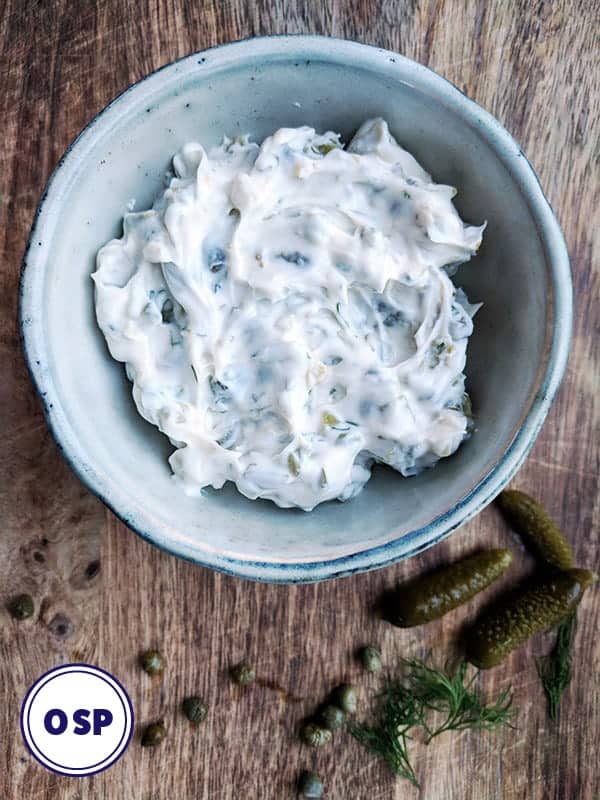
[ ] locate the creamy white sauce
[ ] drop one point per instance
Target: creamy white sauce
(285, 316)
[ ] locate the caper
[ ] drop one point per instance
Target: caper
(315, 735)
(21, 606)
(370, 658)
(243, 674)
(310, 785)
(194, 709)
(152, 662)
(154, 734)
(332, 717)
(346, 697)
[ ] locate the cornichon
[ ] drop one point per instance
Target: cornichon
(509, 623)
(429, 597)
(539, 531)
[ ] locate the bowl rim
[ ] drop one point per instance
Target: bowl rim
(383, 62)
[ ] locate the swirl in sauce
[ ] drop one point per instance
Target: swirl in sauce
(286, 316)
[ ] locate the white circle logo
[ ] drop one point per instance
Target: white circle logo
(77, 720)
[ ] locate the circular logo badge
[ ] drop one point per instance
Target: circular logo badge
(77, 720)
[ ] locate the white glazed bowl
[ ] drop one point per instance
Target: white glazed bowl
(516, 356)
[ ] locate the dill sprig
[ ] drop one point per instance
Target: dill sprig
(397, 712)
(452, 696)
(555, 669)
(433, 700)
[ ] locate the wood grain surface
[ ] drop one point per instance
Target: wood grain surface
(102, 594)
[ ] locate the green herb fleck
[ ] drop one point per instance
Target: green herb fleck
(167, 311)
(327, 147)
(194, 372)
(555, 669)
(293, 465)
(467, 408)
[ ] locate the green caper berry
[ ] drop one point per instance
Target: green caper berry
(154, 734)
(152, 662)
(315, 735)
(194, 709)
(21, 606)
(243, 674)
(332, 717)
(371, 658)
(310, 785)
(346, 697)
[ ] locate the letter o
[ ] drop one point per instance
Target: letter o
(55, 730)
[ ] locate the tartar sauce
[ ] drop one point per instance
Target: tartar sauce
(286, 315)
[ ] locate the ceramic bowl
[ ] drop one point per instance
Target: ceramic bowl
(516, 356)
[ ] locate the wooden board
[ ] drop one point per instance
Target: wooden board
(102, 594)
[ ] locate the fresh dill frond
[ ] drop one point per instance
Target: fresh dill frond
(387, 744)
(452, 696)
(433, 700)
(555, 669)
(396, 713)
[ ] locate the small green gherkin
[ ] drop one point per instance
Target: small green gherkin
(430, 596)
(538, 530)
(536, 607)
